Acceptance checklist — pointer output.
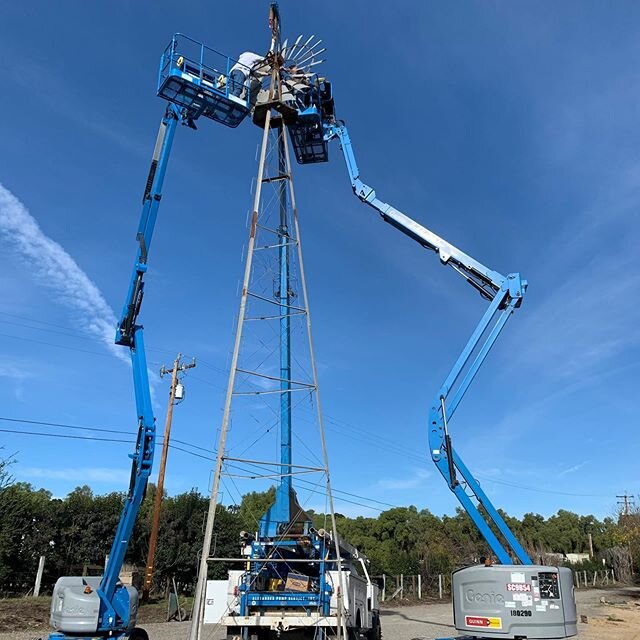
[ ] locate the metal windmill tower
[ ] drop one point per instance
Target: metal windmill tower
(274, 298)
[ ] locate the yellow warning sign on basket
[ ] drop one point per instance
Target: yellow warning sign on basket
(483, 622)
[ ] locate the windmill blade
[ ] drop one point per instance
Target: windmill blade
(312, 47)
(301, 50)
(308, 51)
(302, 63)
(283, 48)
(313, 64)
(295, 44)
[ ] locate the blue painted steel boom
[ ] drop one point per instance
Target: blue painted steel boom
(114, 610)
(505, 294)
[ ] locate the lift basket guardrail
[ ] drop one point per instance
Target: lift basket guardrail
(198, 78)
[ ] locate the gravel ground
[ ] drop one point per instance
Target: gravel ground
(617, 618)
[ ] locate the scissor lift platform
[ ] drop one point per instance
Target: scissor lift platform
(197, 78)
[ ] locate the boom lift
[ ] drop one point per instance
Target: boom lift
(196, 81)
(505, 600)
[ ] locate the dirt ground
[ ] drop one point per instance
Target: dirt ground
(611, 614)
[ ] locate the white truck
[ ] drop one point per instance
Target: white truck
(308, 601)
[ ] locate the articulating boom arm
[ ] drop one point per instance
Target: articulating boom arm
(115, 610)
(505, 294)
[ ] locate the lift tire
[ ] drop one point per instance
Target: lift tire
(138, 634)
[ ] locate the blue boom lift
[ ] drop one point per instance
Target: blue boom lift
(505, 600)
(197, 82)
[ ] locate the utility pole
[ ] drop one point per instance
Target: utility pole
(176, 392)
(626, 502)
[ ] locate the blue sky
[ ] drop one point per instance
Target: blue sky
(508, 128)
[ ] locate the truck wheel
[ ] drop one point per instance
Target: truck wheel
(138, 634)
(375, 633)
(234, 633)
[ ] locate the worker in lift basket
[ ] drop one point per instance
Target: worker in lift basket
(241, 70)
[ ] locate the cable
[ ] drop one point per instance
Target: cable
(188, 444)
(97, 429)
(158, 443)
(63, 435)
(339, 425)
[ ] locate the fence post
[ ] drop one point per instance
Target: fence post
(576, 579)
(584, 577)
(384, 586)
(36, 588)
(595, 575)
(419, 586)
(613, 576)
(401, 586)
(440, 586)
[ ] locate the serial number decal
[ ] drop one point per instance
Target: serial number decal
(524, 613)
(518, 586)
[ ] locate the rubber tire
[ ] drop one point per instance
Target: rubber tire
(375, 633)
(233, 632)
(138, 634)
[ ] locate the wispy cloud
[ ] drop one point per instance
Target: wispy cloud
(585, 322)
(412, 480)
(15, 371)
(104, 475)
(574, 468)
(53, 268)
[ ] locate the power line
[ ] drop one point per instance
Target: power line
(404, 452)
(96, 429)
(210, 458)
(58, 346)
(158, 443)
(338, 425)
(63, 435)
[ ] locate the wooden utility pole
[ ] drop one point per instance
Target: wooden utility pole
(155, 523)
(626, 503)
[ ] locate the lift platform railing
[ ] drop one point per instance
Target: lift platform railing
(307, 132)
(198, 78)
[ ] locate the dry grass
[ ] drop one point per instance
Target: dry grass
(25, 614)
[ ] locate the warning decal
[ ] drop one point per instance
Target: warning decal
(484, 622)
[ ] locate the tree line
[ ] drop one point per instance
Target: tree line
(75, 533)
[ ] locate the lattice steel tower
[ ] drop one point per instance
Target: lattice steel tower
(274, 294)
